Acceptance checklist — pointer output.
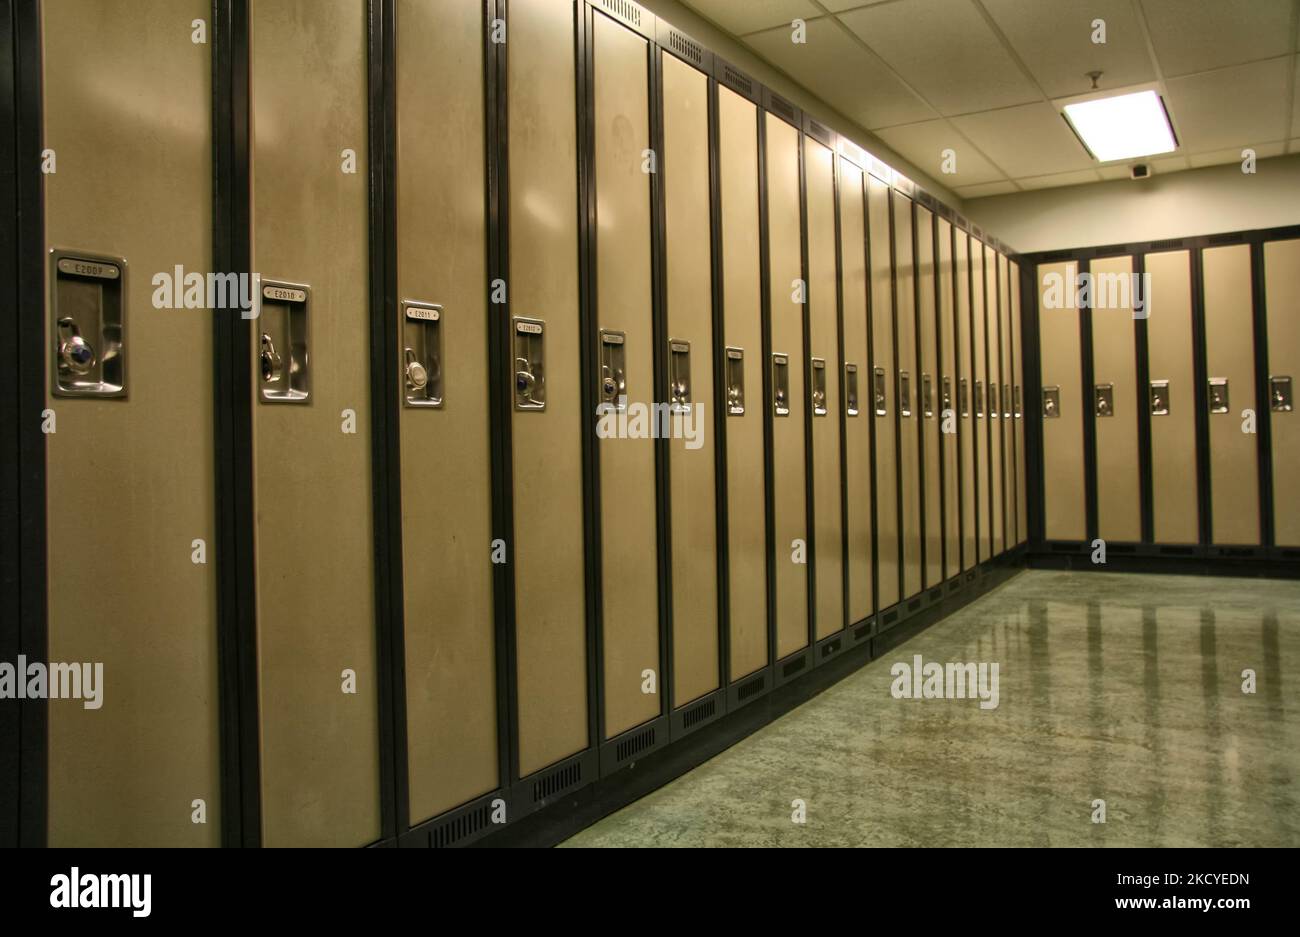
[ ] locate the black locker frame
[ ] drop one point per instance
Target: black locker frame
(1204, 557)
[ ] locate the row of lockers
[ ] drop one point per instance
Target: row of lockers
(1183, 381)
(397, 536)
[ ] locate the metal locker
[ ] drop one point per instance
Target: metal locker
(1007, 532)
(623, 313)
(790, 519)
(1018, 408)
(964, 394)
(824, 361)
(883, 394)
(742, 306)
(129, 473)
(1114, 402)
(1230, 371)
(1282, 299)
(442, 375)
(550, 644)
(1171, 398)
(909, 393)
(311, 463)
(929, 396)
(690, 376)
(979, 403)
(1060, 404)
(993, 397)
(946, 400)
(857, 393)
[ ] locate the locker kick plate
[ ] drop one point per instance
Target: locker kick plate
(88, 324)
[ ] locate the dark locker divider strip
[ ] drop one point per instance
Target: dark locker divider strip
(1031, 401)
(867, 393)
(836, 182)
(892, 198)
(233, 418)
(769, 457)
(1089, 417)
(805, 309)
(937, 379)
(1142, 350)
(1263, 403)
(1204, 494)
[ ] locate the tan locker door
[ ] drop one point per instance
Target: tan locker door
(909, 396)
(1007, 532)
(1058, 326)
(1173, 432)
(690, 321)
(883, 393)
(946, 402)
(623, 305)
(1282, 300)
(857, 435)
(929, 391)
(965, 401)
(980, 403)
(790, 496)
(1114, 368)
(550, 628)
(823, 314)
(992, 395)
(312, 473)
(451, 715)
(129, 481)
(742, 308)
(1230, 357)
(1018, 409)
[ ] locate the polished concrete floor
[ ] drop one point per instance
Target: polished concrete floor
(1114, 687)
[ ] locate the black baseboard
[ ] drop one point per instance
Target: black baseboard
(1250, 562)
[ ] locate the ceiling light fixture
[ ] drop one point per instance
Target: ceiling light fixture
(1123, 126)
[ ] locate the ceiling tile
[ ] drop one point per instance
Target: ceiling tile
(752, 15)
(923, 144)
(1233, 155)
(1056, 180)
(837, 69)
(1054, 40)
(1110, 173)
(946, 50)
(839, 6)
(1166, 164)
(1031, 140)
(1225, 108)
(988, 188)
(1196, 35)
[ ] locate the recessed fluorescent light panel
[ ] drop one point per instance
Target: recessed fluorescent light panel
(1123, 127)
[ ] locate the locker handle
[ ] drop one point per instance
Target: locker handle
(1159, 398)
(819, 387)
(1279, 394)
(780, 384)
(878, 392)
(77, 354)
(1104, 395)
(927, 396)
(422, 354)
(851, 389)
(735, 381)
(1218, 395)
(904, 393)
(1051, 403)
(963, 398)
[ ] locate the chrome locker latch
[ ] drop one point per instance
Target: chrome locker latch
(422, 369)
(529, 352)
(904, 393)
(878, 385)
(87, 324)
(1051, 403)
(851, 389)
(679, 376)
(963, 398)
(1279, 394)
(945, 398)
(819, 387)
(735, 371)
(1218, 395)
(979, 400)
(927, 396)
(1018, 408)
(1104, 395)
(284, 362)
(1159, 398)
(613, 371)
(780, 384)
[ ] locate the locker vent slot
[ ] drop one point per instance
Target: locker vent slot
(781, 107)
(936, 594)
(1178, 551)
(794, 666)
(685, 47)
(459, 828)
(817, 130)
(1226, 239)
(746, 690)
(1171, 242)
(1059, 255)
(699, 712)
(628, 12)
(891, 617)
(861, 632)
(557, 780)
(737, 81)
(830, 647)
(635, 745)
(913, 605)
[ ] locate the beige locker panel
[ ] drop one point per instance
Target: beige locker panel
(742, 307)
(992, 398)
(623, 305)
(1282, 299)
(312, 481)
(1114, 404)
(979, 402)
(823, 317)
(1173, 431)
(1230, 359)
(1018, 409)
(928, 391)
(451, 714)
(909, 396)
(550, 629)
(1060, 406)
(857, 433)
(791, 516)
(1007, 532)
(946, 402)
(125, 498)
(964, 393)
(690, 323)
(883, 393)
